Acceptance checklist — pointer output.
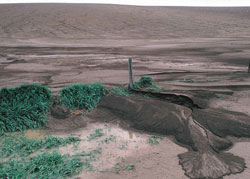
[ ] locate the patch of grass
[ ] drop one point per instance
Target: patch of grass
(23, 107)
(154, 140)
(91, 156)
(117, 166)
(238, 73)
(24, 146)
(187, 80)
(92, 152)
(145, 83)
(109, 139)
(46, 166)
(119, 91)
(51, 141)
(97, 134)
(219, 97)
(82, 96)
(122, 147)
(129, 167)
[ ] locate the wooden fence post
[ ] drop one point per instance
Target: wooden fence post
(130, 69)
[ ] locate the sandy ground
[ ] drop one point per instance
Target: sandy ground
(202, 53)
(130, 147)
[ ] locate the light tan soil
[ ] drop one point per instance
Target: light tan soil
(130, 147)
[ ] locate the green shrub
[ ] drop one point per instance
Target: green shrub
(23, 107)
(146, 83)
(46, 166)
(82, 96)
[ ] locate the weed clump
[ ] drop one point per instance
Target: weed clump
(153, 140)
(82, 96)
(23, 107)
(97, 134)
(129, 167)
(145, 83)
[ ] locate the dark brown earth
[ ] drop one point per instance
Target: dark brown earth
(199, 53)
(205, 132)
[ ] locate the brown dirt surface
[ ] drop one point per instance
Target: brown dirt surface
(201, 53)
(56, 21)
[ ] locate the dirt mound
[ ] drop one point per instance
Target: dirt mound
(150, 115)
(197, 129)
(69, 123)
(223, 122)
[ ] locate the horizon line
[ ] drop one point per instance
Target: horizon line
(147, 4)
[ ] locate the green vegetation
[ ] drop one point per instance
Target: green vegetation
(154, 140)
(187, 80)
(25, 146)
(89, 157)
(146, 83)
(49, 165)
(238, 73)
(109, 139)
(97, 134)
(129, 167)
(91, 153)
(82, 96)
(44, 166)
(219, 97)
(23, 107)
(41, 164)
(122, 147)
(119, 91)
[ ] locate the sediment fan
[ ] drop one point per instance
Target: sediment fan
(204, 130)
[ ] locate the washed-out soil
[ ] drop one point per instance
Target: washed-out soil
(201, 64)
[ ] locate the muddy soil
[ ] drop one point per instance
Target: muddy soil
(211, 80)
(200, 54)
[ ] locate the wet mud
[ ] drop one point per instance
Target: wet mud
(203, 131)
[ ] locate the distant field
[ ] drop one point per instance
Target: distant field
(75, 21)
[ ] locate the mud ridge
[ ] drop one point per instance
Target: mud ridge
(172, 98)
(204, 130)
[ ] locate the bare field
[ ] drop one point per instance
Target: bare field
(202, 53)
